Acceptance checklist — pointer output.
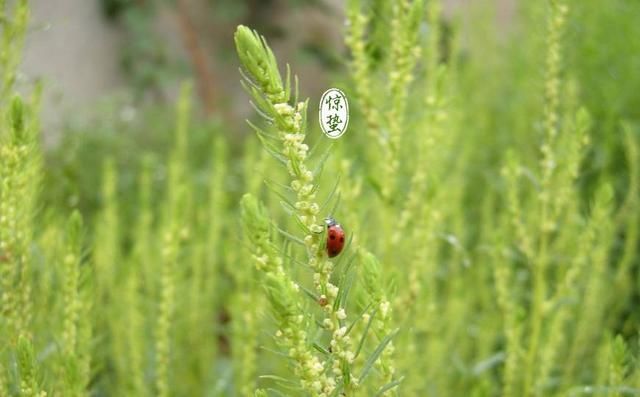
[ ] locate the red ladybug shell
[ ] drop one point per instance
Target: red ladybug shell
(335, 238)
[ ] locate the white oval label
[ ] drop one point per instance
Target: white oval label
(333, 113)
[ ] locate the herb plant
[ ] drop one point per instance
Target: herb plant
(488, 186)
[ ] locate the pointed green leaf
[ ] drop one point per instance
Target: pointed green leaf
(376, 353)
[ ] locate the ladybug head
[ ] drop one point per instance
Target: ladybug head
(330, 221)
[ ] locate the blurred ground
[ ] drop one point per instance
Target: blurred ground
(77, 51)
(74, 50)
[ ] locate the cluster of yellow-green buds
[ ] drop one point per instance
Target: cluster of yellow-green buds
(260, 63)
(16, 185)
(555, 30)
(373, 285)
(264, 83)
(284, 296)
(29, 382)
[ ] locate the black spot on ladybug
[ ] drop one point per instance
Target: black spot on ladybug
(335, 238)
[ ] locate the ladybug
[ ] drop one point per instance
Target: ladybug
(335, 237)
